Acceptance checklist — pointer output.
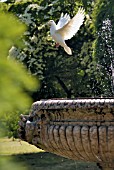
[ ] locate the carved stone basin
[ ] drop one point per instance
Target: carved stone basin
(81, 129)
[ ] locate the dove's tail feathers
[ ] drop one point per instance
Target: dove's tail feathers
(68, 50)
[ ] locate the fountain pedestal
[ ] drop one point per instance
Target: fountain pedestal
(81, 129)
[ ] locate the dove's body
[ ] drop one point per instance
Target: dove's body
(58, 38)
(66, 28)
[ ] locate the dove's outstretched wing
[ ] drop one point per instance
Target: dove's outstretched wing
(71, 28)
(64, 19)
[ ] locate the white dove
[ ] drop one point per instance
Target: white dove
(66, 28)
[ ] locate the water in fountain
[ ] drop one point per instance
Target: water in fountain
(107, 53)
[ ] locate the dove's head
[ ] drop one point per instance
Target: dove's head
(51, 22)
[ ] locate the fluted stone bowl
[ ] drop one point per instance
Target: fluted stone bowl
(81, 129)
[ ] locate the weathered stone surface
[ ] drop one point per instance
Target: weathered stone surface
(81, 129)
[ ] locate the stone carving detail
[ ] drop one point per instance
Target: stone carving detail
(77, 129)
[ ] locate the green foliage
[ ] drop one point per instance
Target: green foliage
(10, 123)
(3, 7)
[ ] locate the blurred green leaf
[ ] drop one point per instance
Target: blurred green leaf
(9, 164)
(14, 82)
(10, 29)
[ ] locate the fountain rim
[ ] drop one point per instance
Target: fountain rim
(62, 103)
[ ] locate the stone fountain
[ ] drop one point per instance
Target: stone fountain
(81, 129)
